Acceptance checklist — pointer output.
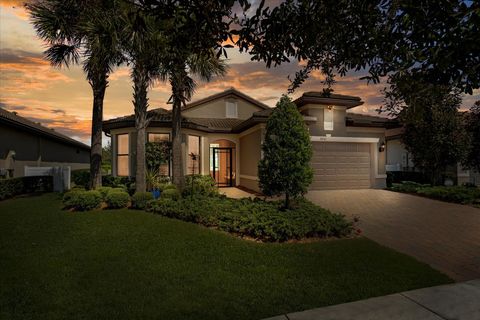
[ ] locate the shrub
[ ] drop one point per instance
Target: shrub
(23, 185)
(104, 191)
(140, 199)
(81, 178)
(455, 194)
(261, 220)
(170, 193)
(117, 199)
(166, 186)
(202, 185)
(81, 200)
(408, 186)
(128, 183)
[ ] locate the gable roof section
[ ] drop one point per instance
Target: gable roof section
(12, 119)
(316, 97)
(232, 92)
(366, 120)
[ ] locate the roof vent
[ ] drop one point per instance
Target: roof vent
(14, 112)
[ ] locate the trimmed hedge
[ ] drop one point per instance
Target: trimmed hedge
(262, 220)
(81, 200)
(456, 194)
(117, 199)
(140, 199)
(24, 185)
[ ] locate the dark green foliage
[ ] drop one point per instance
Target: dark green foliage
(166, 186)
(391, 38)
(81, 200)
(287, 150)
(200, 185)
(170, 193)
(24, 185)
(457, 194)
(120, 182)
(433, 130)
(157, 153)
(56, 265)
(258, 219)
(81, 178)
(117, 199)
(408, 186)
(104, 191)
(140, 199)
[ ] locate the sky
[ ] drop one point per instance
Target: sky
(62, 99)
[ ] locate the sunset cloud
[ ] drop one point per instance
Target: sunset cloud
(51, 117)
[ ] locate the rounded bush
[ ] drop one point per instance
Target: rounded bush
(81, 200)
(117, 199)
(104, 191)
(140, 199)
(170, 194)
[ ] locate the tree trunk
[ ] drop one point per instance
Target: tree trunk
(178, 96)
(99, 85)
(140, 102)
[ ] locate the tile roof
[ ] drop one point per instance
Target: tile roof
(14, 119)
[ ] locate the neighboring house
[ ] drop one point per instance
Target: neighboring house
(26, 143)
(226, 131)
(398, 159)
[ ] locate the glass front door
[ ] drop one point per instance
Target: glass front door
(221, 168)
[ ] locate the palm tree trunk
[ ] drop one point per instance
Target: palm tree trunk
(140, 87)
(178, 96)
(99, 85)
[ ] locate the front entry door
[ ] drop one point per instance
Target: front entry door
(222, 166)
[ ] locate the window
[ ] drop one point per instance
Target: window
(164, 169)
(231, 111)
(193, 155)
(213, 145)
(328, 119)
(158, 137)
(123, 148)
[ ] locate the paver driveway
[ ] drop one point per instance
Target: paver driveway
(444, 235)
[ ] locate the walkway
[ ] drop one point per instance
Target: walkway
(459, 301)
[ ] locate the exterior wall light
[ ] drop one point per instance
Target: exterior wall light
(382, 147)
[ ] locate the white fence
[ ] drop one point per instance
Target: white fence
(61, 176)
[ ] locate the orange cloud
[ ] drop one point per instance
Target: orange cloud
(16, 7)
(20, 71)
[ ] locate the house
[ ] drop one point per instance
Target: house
(26, 143)
(400, 160)
(226, 131)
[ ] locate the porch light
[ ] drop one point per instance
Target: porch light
(382, 147)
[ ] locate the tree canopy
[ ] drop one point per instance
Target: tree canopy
(387, 38)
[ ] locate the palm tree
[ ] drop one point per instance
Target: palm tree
(143, 45)
(76, 30)
(204, 65)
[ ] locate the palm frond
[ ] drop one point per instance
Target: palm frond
(63, 54)
(206, 65)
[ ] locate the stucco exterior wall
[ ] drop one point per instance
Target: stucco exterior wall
(217, 109)
(317, 129)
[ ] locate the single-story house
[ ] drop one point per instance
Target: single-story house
(226, 131)
(26, 143)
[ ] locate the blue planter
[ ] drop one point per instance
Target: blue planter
(156, 194)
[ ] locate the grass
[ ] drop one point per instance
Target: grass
(125, 264)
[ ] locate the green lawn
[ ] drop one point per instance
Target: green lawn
(124, 264)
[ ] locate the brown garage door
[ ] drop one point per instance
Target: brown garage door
(340, 165)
